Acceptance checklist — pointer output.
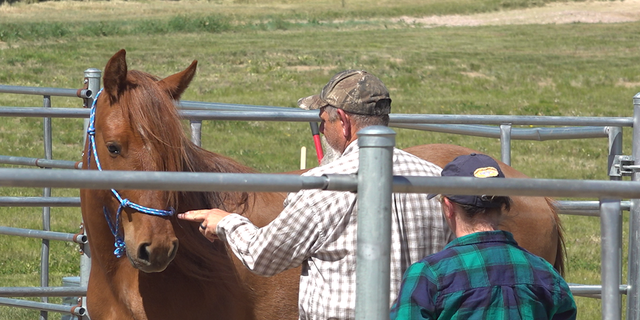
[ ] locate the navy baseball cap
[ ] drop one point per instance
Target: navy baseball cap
(477, 166)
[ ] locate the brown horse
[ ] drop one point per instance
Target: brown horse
(136, 127)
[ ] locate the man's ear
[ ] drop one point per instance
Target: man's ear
(345, 121)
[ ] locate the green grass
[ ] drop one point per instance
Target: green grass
(277, 52)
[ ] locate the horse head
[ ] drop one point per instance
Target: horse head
(129, 130)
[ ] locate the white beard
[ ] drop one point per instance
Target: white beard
(330, 154)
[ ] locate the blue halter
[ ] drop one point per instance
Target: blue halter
(114, 226)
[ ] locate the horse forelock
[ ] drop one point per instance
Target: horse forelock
(155, 118)
(148, 105)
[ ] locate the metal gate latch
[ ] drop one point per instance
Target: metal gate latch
(623, 166)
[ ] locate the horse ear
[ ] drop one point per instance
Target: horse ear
(115, 74)
(177, 83)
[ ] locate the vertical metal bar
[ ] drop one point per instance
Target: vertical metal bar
(505, 143)
(611, 247)
(375, 177)
(92, 77)
(85, 269)
(611, 239)
(46, 211)
(92, 81)
(196, 132)
(633, 294)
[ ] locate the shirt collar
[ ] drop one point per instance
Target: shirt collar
(487, 236)
(351, 148)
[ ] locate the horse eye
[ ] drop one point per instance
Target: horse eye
(113, 148)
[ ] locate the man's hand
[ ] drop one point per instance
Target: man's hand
(208, 219)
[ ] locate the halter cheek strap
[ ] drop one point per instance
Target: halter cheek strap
(114, 225)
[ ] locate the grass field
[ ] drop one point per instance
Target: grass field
(273, 52)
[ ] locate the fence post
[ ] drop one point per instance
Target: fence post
(611, 237)
(92, 77)
(46, 211)
(92, 81)
(633, 294)
(505, 143)
(375, 180)
(611, 257)
(196, 132)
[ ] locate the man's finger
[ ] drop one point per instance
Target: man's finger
(194, 215)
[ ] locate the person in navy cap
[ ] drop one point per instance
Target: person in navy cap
(483, 273)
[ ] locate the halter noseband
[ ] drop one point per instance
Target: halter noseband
(114, 226)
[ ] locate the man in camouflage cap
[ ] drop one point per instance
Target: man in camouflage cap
(354, 91)
(358, 94)
(317, 228)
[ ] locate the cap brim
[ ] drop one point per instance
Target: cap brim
(311, 102)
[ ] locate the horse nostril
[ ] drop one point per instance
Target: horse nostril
(143, 252)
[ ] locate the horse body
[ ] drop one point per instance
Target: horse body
(170, 270)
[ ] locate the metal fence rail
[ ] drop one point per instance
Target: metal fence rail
(92, 81)
(608, 210)
(288, 183)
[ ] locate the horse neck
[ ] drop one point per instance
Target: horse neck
(195, 250)
(200, 160)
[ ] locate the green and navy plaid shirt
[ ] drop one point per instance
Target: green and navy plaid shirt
(483, 275)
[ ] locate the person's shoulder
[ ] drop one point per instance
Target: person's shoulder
(405, 161)
(346, 164)
(443, 258)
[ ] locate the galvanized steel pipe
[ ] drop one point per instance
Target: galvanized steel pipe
(44, 234)
(505, 143)
(41, 91)
(152, 180)
(374, 222)
(43, 291)
(518, 187)
(42, 163)
(75, 310)
(39, 202)
(633, 271)
(611, 253)
(537, 134)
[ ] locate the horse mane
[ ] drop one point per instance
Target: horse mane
(148, 106)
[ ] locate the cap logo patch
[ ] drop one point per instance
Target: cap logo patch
(486, 172)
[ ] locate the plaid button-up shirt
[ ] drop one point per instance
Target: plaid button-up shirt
(317, 229)
(484, 275)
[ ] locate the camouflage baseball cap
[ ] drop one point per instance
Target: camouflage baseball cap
(354, 91)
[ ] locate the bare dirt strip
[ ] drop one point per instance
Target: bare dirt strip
(554, 13)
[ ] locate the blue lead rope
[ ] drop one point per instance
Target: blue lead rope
(114, 226)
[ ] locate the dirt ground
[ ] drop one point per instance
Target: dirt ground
(556, 13)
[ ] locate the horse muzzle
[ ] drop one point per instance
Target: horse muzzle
(152, 257)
